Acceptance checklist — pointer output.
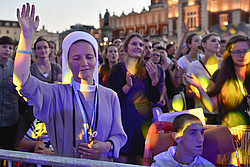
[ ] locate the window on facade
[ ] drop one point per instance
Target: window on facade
(130, 31)
(192, 18)
(7, 24)
(152, 31)
(7, 32)
(121, 34)
(165, 29)
(14, 24)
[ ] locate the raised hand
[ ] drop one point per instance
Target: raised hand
(185, 28)
(129, 79)
(152, 72)
(129, 83)
(26, 20)
(177, 67)
(192, 80)
(205, 30)
(22, 60)
(194, 83)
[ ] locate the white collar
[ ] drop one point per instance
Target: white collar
(83, 87)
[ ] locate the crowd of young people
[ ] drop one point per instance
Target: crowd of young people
(109, 118)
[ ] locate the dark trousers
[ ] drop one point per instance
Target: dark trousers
(8, 137)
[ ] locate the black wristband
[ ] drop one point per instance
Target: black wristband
(112, 145)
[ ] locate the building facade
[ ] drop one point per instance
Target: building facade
(13, 30)
(79, 27)
(153, 22)
(49, 36)
(10, 28)
(166, 17)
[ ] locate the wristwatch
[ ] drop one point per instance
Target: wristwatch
(112, 145)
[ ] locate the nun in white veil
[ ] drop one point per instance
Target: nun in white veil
(83, 119)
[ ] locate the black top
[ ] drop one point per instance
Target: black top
(103, 74)
(117, 79)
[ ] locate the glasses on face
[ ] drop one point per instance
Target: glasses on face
(239, 52)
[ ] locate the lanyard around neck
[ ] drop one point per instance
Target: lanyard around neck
(190, 57)
(82, 108)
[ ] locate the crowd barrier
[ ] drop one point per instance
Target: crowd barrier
(52, 160)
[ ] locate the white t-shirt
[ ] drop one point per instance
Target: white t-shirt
(166, 159)
(199, 71)
(183, 63)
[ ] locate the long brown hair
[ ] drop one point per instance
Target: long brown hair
(226, 82)
(140, 66)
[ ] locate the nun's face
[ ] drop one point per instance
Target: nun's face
(82, 62)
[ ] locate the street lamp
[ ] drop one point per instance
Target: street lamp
(225, 23)
(105, 39)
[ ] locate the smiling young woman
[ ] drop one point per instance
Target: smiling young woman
(136, 84)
